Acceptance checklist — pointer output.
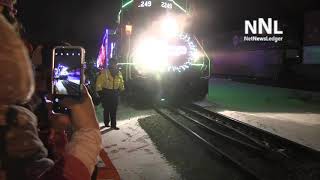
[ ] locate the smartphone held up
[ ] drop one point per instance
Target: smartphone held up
(67, 74)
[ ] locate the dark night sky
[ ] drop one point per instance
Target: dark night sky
(67, 19)
(76, 21)
(82, 22)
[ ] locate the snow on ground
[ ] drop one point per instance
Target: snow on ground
(147, 146)
(132, 151)
(60, 87)
(276, 110)
(300, 128)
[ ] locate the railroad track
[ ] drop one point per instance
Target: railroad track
(272, 143)
(256, 152)
(71, 87)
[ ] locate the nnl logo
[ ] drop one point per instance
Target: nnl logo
(270, 27)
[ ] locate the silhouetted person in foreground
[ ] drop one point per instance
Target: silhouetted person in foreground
(22, 153)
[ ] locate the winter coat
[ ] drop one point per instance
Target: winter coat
(106, 80)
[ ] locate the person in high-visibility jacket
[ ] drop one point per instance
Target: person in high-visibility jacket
(109, 84)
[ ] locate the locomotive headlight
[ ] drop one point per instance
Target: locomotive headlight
(150, 55)
(169, 27)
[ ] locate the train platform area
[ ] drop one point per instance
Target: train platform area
(291, 114)
(131, 150)
(149, 146)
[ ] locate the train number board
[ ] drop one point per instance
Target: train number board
(145, 4)
(166, 4)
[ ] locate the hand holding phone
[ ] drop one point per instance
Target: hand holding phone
(83, 113)
(67, 75)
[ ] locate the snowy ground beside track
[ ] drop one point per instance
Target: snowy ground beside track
(276, 110)
(132, 151)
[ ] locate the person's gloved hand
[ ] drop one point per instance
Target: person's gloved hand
(83, 113)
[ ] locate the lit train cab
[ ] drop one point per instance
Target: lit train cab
(160, 59)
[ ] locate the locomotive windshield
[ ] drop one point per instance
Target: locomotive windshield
(158, 41)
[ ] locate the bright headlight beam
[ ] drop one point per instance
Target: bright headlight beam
(154, 54)
(151, 55)
(169, 27)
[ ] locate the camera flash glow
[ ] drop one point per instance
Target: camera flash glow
(72, 54)
(67, 54)
(61, 54)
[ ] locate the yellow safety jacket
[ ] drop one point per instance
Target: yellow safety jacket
(106, 81)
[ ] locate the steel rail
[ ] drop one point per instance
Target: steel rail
(211, 146)
(282, 143)
(223, 135)
(253, 140)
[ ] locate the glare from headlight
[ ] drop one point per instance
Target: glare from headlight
(197, 55)
(169, 27)
(151, 55)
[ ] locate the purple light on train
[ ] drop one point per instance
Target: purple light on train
(103, 56)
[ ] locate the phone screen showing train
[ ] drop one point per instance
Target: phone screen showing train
(67, 71)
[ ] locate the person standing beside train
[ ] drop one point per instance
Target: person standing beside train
(109, 84)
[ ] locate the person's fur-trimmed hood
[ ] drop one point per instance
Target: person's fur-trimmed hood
(16, 75)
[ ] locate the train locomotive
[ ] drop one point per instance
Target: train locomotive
(159, 59)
